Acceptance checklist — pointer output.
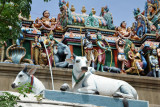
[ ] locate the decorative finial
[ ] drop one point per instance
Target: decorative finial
(80, 30)
(67, 4)
(102, 9)
(72, 8)
(83, 10)
(93, 11)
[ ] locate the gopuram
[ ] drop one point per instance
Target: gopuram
(131, 52)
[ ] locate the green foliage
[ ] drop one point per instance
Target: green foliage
(10, 25)
(23, 89)
(9, 100)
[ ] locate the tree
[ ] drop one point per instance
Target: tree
(10, 25)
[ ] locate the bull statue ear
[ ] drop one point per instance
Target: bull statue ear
(74, 56)
(32, 71)
(25, 69)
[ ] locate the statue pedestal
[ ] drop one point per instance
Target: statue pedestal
(97, 100)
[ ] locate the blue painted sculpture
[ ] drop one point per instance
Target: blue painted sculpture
(63, 52)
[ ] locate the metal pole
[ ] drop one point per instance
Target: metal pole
(81, 41)
(50, 67)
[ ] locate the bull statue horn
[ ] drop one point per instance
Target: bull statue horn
(74, 56)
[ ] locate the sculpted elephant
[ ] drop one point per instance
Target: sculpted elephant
(61, 53)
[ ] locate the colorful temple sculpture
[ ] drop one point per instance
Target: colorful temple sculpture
(127, 50)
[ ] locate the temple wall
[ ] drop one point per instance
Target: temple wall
(148, 88)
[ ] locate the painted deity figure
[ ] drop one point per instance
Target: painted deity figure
(101, 52)
(142, 25)
(46, 47)
(44, 21)
(135, 58)
(154, 63)
(120, 44)
(107, 17)
(138, 60)
(158, 54)
(151, 9)
(65, 16)
(36, 50)
(49, 47)
(122, 31)
(88, 48)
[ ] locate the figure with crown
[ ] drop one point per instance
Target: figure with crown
(153, 59)
(101, 52)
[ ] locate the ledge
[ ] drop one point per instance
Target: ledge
(97, 100)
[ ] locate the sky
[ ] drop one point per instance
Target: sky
(122, 10)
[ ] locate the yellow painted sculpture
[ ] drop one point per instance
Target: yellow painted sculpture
(135, 58)
(36, 50)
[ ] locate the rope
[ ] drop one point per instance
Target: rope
(79, 79)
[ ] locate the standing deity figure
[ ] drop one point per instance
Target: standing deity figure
(44, 21)
(154, 63)
(135, 58)
(36, 50)
(101, 52)
(138, 60)
(120, 44)
(88, 48)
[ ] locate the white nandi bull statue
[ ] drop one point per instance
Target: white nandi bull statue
(25, 77)
(84, 81)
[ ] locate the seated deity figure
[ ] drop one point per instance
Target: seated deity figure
(122, 31)
(88, 48)
(138, 60)
(154, 63)
(120, 44)
(45, 22)
(135, 59)
(101, 52)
